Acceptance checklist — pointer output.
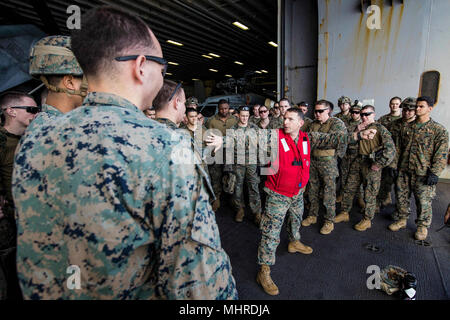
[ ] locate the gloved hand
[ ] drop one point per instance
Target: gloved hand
(432, 179)
(393, 173)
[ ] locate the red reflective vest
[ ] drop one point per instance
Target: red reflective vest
(289, 179)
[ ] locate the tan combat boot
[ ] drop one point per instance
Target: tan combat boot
(328, 226)
(387, 201)
(363, 225)
(258, 219)
(263, 278)
(309, 221)
(342, 217)
(421, 233)
(216, 205)
(239, 215)
(397, 225)
(361, 203)
(297, 246)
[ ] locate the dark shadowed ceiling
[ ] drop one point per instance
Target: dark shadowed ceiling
(204, 27)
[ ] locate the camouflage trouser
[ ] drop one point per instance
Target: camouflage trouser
(408, 183)
(361, 172)
(323, 173)
(216, 172)
(386, 185)
(247, 174)
(277, 206)
(345, 168)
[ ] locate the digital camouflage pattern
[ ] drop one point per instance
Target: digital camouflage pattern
(306, 124)
(388, 121)
(422, 147)
(277, 207)
(361, 172)
(344, 117)
(391, 278)
(276, 123)
(351, 153)
(244, 140)
(106, 189)
(52, 56)
(324, 171)
(169, 123)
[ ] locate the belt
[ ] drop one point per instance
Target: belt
(323, 158)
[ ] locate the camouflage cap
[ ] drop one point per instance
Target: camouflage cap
(357, 105)
(409, 103)
(52, 56)
(344, 100)
(192, 100)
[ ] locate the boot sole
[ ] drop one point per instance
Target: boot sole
(269, 293)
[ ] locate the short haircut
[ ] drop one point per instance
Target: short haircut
(427, 99)
(222, 101)
(11, 98)
(162, 98)
(297, 111)
(189, 110)
(303, 104)
(285, 99)
(325, 103)
(368, 106)
(108, 33)
(395, 98)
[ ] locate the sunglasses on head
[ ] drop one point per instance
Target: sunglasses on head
(366, 114)
(159, 60)
(244, 109)
(29, 109)
(320, 110)
(355, 112)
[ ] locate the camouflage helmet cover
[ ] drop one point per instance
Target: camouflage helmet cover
(409, 103)
(343, 100)
(52, 56)
(192, 100)
(357, 105)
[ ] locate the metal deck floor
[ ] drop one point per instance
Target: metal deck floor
(336, 270)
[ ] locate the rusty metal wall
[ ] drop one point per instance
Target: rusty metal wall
(378, 64)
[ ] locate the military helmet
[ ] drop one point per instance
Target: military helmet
(409, 103)
(343, 100)
(357, 105)
(191, 100)
(52, 56)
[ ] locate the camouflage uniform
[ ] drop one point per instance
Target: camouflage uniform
(8, 145)
(344, 118)
(306, 125)
(351, 154)
(379, 151)
(243, 168)
(105, 189)
(277, 205)
(324, 170)
(387, 181)
(276, 123)
(253, 119)
(216, 169)
(423, 148)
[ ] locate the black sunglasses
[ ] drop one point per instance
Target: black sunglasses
(320, 111)
(264, 111)
(355, 112)
(29, 109)
(159, 60)
(174, 91)
(366, 114)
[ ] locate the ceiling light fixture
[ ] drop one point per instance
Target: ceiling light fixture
(264, 71)
(239, 63)
(175, 43)
(213, 70)
(206, 56)
(273, 44)
(214, 55)
(229, 76)
(240, 25)
(258, 72)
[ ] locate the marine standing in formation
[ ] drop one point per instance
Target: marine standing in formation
(373, 155)
(423, 146)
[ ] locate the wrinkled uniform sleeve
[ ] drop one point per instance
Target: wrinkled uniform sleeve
(440, 152)
(328, 140)
(388, 151)
(192, 263)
